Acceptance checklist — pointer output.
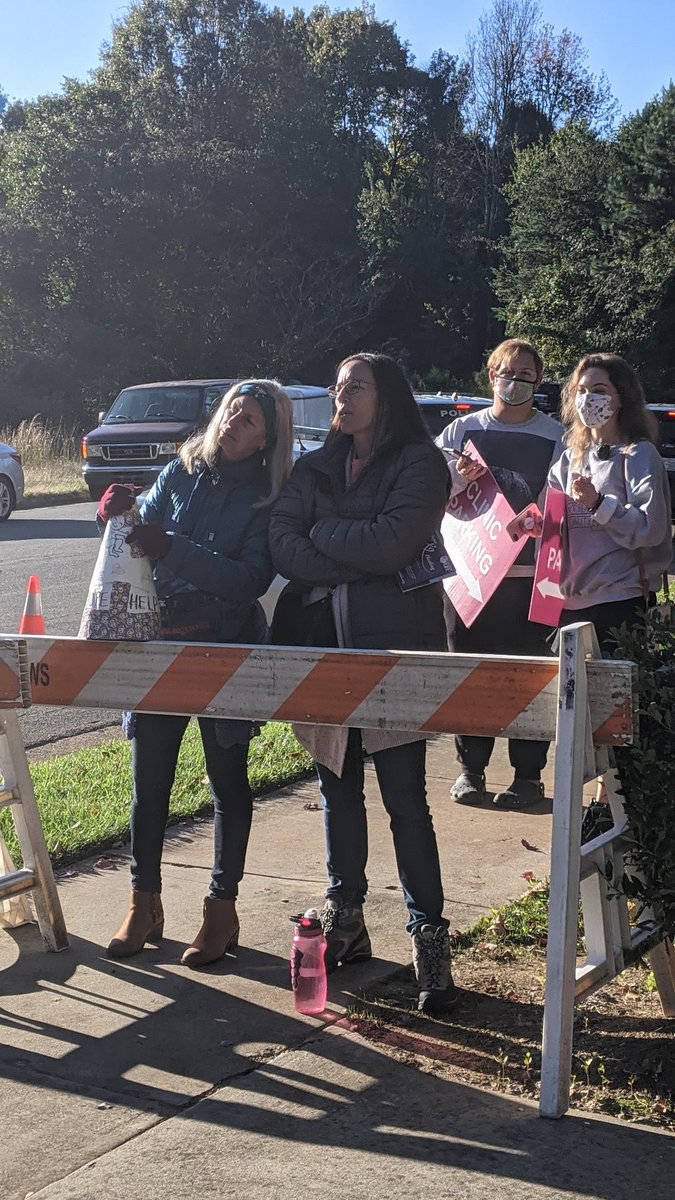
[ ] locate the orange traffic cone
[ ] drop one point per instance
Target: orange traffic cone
(32, 620)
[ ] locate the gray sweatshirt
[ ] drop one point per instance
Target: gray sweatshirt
(600, 563)
(519, 457)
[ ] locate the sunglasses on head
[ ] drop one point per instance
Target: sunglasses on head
(267, 404)
(253, 389)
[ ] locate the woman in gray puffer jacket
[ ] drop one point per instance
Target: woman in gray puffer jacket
(353, 515)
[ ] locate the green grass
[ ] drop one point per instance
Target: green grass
(51, 461)
(521, 922)
(84, 798)
(518, 923)
(524, 922)
(66, 490)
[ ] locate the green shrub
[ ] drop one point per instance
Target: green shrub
(647, 768)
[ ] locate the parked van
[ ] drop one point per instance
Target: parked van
(148, 423)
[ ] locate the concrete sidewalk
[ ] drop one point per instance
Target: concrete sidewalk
(142, 1080)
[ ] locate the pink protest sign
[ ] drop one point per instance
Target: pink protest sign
(475, 537)
(547, 602)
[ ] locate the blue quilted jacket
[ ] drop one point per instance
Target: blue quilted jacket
(219, 540)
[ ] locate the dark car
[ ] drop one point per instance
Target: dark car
(148, 423)
(144, 430)
(440, 409)
(547, 398)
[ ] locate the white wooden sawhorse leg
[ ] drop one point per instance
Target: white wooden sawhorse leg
(36, 876)
(590, 872)
(607, 931)
(609, 848)
(572, 762)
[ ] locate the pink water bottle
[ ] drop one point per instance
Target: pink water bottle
(308, 963)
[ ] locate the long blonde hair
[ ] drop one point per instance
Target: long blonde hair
(204, 446)
(636, 423)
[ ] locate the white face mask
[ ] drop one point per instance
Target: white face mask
(594, 408)
(514, 391)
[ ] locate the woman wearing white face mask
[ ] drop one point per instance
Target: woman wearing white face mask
(618, 509)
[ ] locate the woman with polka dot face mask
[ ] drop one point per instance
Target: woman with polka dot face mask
(618, 508)
(595, 409)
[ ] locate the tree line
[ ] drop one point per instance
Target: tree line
(239, 191)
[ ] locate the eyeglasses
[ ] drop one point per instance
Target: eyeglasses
(514, 378)
(351, 388)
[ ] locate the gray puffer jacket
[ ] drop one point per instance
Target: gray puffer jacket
(323, 533)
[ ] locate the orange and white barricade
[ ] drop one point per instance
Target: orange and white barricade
(580, 701)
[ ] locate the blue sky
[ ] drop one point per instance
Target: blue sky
(42, 41)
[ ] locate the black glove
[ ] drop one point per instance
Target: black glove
(152, 540)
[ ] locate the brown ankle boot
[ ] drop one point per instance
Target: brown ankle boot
(143, 923)
(218, 934)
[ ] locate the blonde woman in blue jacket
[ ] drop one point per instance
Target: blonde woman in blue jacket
(205, 525)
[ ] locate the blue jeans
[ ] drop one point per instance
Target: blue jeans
(154, 750)
(401, 775)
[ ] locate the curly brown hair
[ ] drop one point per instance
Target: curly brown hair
(635, 420)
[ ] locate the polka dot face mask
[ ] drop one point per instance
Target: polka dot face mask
(594, 408)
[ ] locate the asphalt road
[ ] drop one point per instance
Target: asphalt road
(60, 545)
